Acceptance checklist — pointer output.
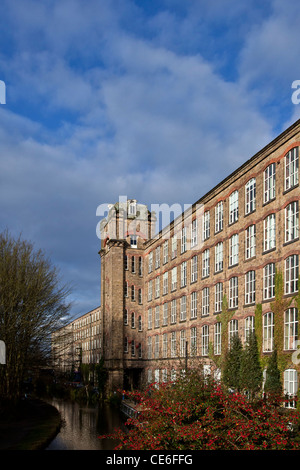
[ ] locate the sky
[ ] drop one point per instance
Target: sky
(154, 100)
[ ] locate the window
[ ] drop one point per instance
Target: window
(194, 233)
(219, 214)
(183, 308)
(218, 296)
(165, 345)
(126, 262)
(165, 251)
(269, 281)
(132, 320)
(233, 207)
(165, 314)
(133, 264)
(183, 240)
(249, 326)
(250, 196)
(173, 344)
(132, 208)
(174, 278)
(234, 250)
(291, 168)
(268, 332)
(149, 318)
(290, 328)
(132, 293)
(140, 323)
(194, 268)
(174, 247)
(269, 183)
(182, 343)
(156, 319)
(125, 345)
(133, 241)
(173, 311)
(157, 287)
(219, 257)
(194, 301)
(193, 335)
(125, 316)
(150, 283)
(157, 257)
(250, 287)
(205, 263)
(165, 283)
(183, 274)
(205, 301)
(206, 225)
(291, 274)
(149, 345)
(250, 241)
(217, 338)
(156, 346)
(205, 340)
(233, 329)
(126, 289)
(233, 292)
(269, 232)
(140, 296)
(150, 262)
(291, 387)
(133, 347)
(292, 221)
(140, 266)
(140, 350)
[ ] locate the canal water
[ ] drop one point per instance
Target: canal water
(82, 424)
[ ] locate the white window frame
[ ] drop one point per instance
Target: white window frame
(290, 328)
(194, 233)
(292, 221)
(150, 318)
(218, 296)
(250, 196)
(206, 225)
(268, 332)
(194, 268)
(290, 386)
(233, 292)
(205, 301)
(174, 278)
(269, 281)
(173, 311)
(250, 281)
(205, 340)
(165, 282)
(194, 304)
(219, 257)
(183, 240)
(217, 338)
(270, 183)
(205, 263)
(165, 313)
(291, 274)
(292, 168)
(250, 241)
(234, 249)
(270, 232)
(219, 216)
(183, 274)
(193, 338)
(233, 207)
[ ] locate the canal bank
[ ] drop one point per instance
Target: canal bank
(29, 427)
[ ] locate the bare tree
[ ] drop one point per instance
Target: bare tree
(33, 305)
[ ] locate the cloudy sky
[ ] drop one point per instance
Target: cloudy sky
(158, 100)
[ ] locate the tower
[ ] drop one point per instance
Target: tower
(123, 232)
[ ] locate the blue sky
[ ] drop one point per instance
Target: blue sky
(155, 100)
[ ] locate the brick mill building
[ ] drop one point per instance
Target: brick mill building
(161, 296)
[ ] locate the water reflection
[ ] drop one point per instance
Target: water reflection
(82, 426)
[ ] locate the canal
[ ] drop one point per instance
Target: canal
(82, 424)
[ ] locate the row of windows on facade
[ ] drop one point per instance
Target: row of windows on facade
(157, 350)
(291, 277)
(291, 274)
(290, 379)
(291, 233)
(87, 332)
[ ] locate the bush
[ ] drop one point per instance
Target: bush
(194, 414)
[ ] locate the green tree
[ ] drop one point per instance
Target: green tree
(232, 367)
(32, 306)
(273, 386)
(251, 372)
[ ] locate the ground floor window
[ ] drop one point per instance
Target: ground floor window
(290, 387)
